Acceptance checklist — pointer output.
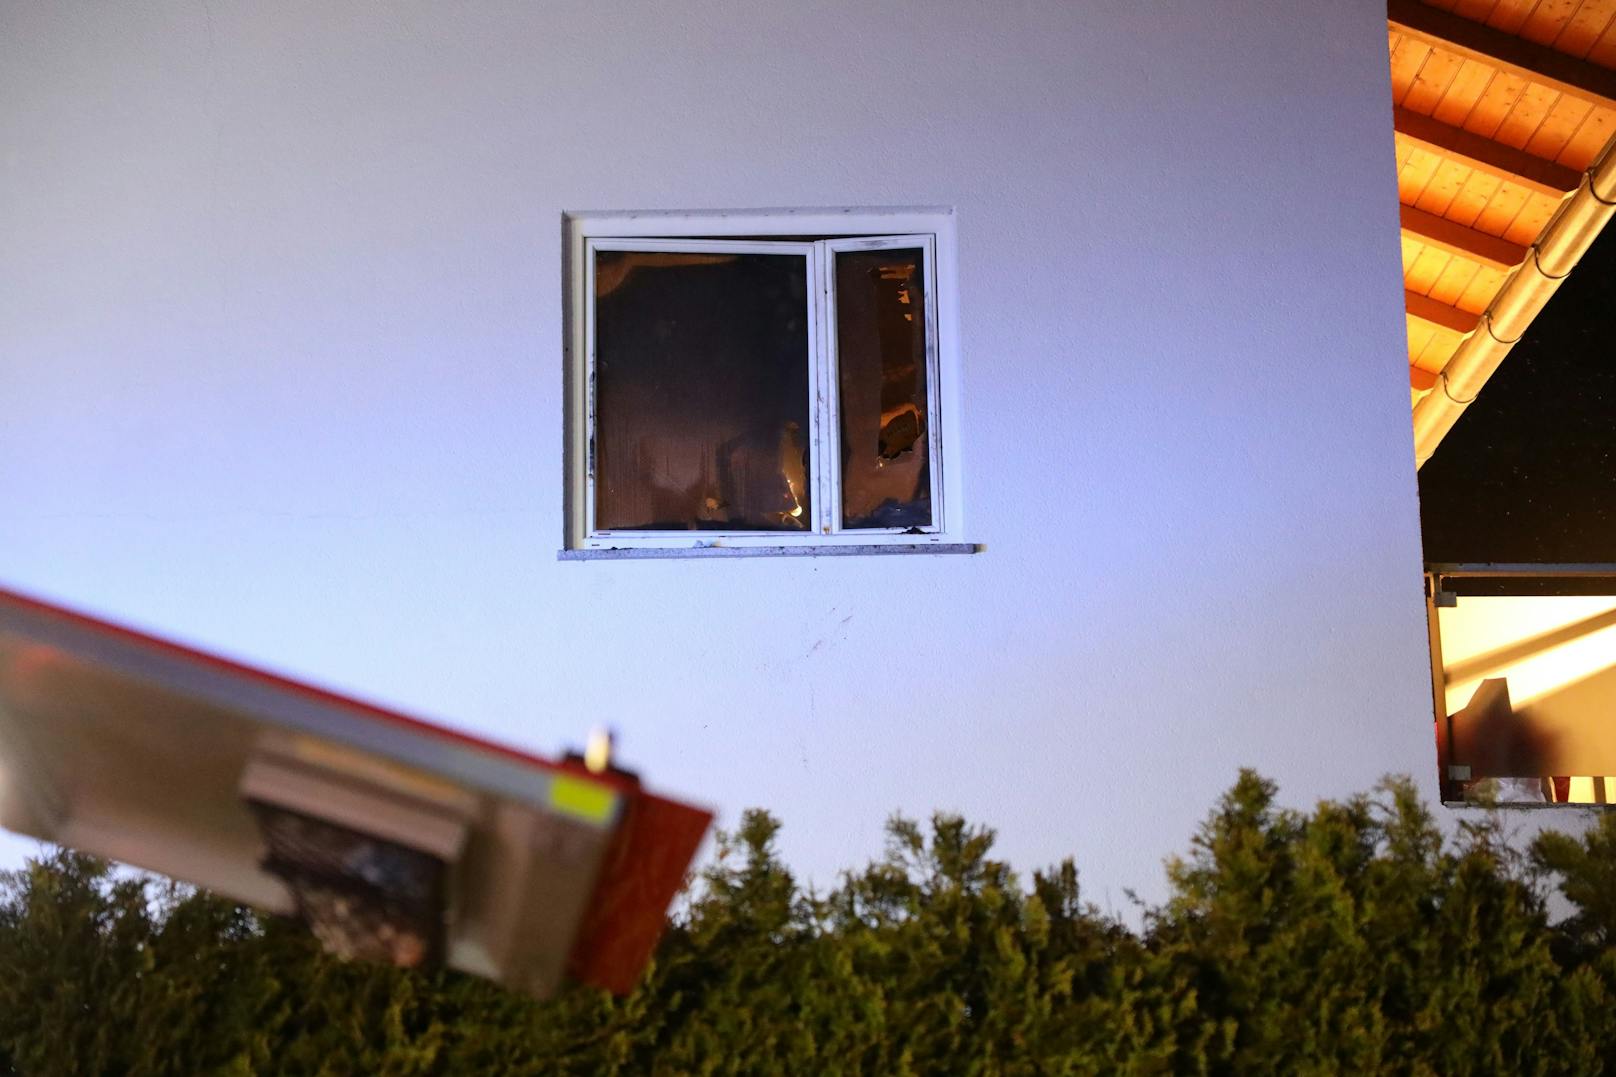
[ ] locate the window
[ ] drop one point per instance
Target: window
(780, 382)
(1523, 674)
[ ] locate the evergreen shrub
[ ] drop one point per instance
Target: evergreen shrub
(1352, 939)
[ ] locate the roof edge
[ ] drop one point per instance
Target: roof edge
(1556, 251)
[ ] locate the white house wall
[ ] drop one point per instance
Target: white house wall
(281, 374)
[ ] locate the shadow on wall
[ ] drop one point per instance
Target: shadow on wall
(1530, 683)
(1559, 748)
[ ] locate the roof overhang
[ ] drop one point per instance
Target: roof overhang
(1505, 124)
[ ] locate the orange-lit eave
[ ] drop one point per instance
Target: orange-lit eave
(1563, 242)
(1504, 116)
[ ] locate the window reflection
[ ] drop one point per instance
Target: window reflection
(701, 392)
(881, 361)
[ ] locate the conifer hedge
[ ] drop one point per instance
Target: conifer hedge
(1354, 939)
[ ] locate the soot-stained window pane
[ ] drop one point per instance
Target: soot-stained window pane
(701, 392)
(881, 361)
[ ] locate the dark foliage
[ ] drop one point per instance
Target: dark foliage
(1354, 939)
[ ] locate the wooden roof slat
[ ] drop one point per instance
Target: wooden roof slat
(1454, 281)
(1523, 121)
(1430, 265)
(1502, 208)
(1584, 28)
(1479, 41)
(1492, 106)
(1589, 139)
(1419, 338)
(1413, 177)
(1464, 91)
(1472, 198)
(1436, 353)
(1509, 15)
(1481, 289)
(1471, 149)
(1547, 20)
(1529, 222)
(1438, 315)
(1472, 9)
(1562, 121)
(1468, 243)
(1432, 81)
(1436, 346)
(1412, 249)
(1603, 51)
(1408, 56)
(1443, 187)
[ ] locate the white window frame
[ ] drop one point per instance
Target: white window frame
(932, 230)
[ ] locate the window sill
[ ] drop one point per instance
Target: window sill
(639, 553)
(1528, 805)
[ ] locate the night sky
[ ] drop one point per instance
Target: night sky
(1529, 471)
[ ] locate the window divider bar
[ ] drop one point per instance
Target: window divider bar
(827, 405)
(817, 391)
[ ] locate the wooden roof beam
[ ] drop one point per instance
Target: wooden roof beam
(1439, 316)
(1455, 238)
(1477, 41)
(1494, 158)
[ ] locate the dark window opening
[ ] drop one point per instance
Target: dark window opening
(701, 383)
(881, 367)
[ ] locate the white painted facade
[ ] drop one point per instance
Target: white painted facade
(281, 374)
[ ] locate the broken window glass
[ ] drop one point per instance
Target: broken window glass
(701, 390)
(881, 368)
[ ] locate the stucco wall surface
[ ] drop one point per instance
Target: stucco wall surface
(281, 374)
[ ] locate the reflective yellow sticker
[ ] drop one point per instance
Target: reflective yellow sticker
(582, 799)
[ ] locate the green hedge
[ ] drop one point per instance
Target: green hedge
(1354, 939)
